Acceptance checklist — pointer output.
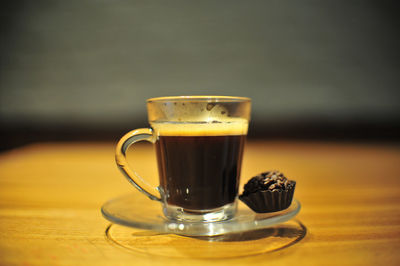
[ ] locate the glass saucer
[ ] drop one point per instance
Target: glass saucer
(136, 211)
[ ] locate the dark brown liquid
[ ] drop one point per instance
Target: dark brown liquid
(200, 172)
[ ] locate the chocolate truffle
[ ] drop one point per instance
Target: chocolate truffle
(268, 192)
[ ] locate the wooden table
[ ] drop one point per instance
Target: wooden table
(51, 194)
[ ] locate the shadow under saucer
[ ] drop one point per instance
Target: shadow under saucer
(230, 245)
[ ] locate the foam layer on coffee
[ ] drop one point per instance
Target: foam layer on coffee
(214, 128)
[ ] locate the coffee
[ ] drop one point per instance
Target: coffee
(199, 165)
(200, 172)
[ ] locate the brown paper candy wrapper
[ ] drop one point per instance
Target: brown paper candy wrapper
(269, 201)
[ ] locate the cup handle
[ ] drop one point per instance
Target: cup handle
(141, 134)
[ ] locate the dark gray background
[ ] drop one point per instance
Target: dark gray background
(312, 68)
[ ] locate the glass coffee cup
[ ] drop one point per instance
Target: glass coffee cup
(199, 143)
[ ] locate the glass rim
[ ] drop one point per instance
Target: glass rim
(201, 98)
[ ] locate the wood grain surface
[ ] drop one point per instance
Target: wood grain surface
(51, 195)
